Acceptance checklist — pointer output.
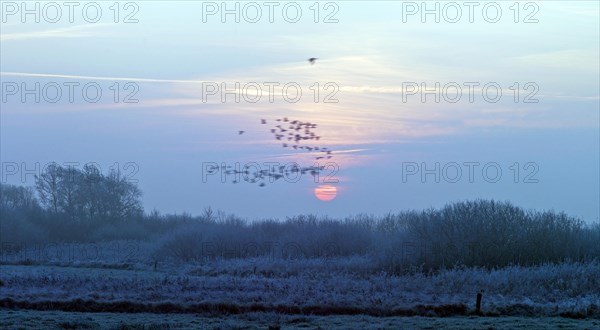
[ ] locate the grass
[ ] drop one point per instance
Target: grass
(27, 319)
(305, 271)
(305, 288)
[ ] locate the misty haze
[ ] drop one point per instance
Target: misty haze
(300, 165)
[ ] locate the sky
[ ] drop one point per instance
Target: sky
(149, 88)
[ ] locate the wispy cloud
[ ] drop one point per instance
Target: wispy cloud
(101, 78)
(370, 107)
(568, 59)
(76, 31)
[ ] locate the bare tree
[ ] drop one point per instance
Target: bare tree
(123, 197)
(87, 194)
(47, 185)
(15, 197)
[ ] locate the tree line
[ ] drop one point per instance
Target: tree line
(77, 195)
(71, 205)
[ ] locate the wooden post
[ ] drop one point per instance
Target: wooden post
(478, 305)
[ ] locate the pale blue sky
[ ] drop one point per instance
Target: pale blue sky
(369, 54)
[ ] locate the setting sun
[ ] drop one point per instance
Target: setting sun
(326, 193)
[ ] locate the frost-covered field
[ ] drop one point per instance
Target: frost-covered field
(308, 273)
(25, 319)
(342, 286)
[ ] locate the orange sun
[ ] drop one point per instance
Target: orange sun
(326, 193)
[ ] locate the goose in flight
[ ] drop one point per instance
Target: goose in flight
(312, 60)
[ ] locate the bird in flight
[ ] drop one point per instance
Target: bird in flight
(312, 60)
(240, 132)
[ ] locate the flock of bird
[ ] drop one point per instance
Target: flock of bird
(293, 134)
(298, 135)
(252, 175)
